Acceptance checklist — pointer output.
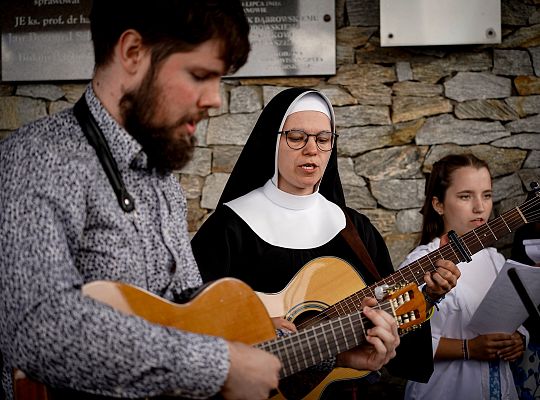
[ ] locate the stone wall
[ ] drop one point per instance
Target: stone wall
(398, 110)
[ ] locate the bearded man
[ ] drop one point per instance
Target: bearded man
(88, 194)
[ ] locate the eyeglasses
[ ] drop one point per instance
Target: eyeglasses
(297, 139)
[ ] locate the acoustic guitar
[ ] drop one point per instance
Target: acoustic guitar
(230, 309)
(328, 287)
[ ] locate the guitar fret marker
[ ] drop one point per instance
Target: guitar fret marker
(311, 353)
(480, 239)
(362, 324)
(495, 236)
(327, 345)
(318, 345)
(356, 341)
(521, 215)
(343, 332)
(286, 356)
(455, 254)
(335, 340)
(296, 355)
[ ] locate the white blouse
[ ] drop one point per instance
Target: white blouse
(458, 379)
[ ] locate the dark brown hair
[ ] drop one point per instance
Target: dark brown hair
(170, 26)
(438, 182)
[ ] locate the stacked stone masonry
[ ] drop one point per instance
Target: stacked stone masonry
(397, 110)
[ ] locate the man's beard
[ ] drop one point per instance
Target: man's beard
(166, 148)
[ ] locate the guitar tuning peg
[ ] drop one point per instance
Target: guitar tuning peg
(381, 291)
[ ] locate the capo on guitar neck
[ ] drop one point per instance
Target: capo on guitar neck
(454, 238)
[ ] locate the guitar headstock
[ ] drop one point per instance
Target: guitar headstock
(408, 306)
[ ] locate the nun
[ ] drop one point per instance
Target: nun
(284, 206)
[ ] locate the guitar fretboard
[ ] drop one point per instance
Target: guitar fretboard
(312, 345)
(317, 343)
(472, 242)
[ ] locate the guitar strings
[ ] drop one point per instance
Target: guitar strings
(415, 271)
(342, 331)
(292, 350)
(509, 220)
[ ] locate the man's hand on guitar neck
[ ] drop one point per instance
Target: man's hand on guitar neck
(382, 338)
(253, 373)
(445, 278)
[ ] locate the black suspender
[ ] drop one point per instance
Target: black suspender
(97, 140)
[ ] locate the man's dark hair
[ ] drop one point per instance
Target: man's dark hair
(170, 26)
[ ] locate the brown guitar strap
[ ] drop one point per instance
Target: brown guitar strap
(351, 236)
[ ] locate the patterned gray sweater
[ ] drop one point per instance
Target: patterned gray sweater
(61, 227)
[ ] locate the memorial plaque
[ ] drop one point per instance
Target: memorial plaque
(440, 22)
(50, 39)
(46, 40)
(290, 37)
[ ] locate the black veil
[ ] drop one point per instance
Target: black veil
(256, 164)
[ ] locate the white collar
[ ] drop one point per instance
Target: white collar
(286, 220)
(287, 200)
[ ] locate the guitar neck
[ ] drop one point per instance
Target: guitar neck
(320, 342)
(473, 241)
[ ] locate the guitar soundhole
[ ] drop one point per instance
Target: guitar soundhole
(308, 318)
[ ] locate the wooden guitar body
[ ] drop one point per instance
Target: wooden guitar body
(227, 308)
(319, 284)
(318, 296)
